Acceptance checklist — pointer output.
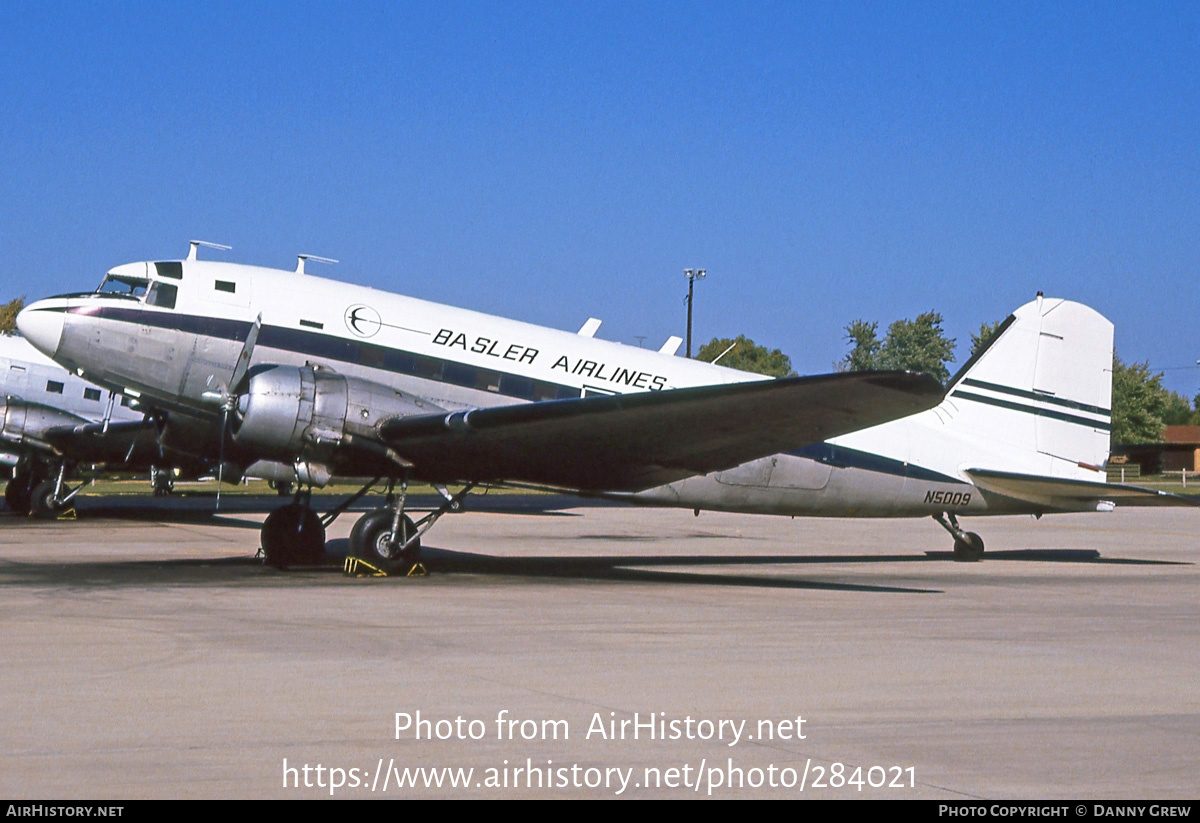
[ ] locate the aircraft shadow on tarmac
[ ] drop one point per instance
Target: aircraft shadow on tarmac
(626, 568)
(651, 569)
(441, 563)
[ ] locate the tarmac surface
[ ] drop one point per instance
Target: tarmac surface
(147, 654)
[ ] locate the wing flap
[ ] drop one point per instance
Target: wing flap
(1072, 495)
(636, 441)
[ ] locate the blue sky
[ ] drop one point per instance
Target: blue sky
(549, 161)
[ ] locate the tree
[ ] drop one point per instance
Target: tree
(918, 345)
(8, 315)
(986, 331)
(1178, 411)
(746, 355)
(1139, 403)
(911, 345)
(864, 353)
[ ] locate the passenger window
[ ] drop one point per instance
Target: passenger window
(226, 286)
(91, 394)
(54, 387)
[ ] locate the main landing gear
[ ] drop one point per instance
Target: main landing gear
(968, 546)
(33, 491)
(386, 538)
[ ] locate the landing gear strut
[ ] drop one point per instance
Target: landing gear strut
(968, 546)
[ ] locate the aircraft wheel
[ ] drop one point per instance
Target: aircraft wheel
(969, 549)
(371, 535)
(17, 494)
(293, 535)
(163, 482)
(42, 502)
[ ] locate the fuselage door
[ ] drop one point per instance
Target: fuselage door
(14, 380)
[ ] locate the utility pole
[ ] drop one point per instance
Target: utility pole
(692, 276)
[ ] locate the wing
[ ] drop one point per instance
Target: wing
(128, 440)
(635, 441)
(1072, 495)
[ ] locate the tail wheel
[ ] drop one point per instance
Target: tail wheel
(371, 540)
(968, 548)
(293, 535)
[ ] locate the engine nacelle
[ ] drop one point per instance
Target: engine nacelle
(25, 424)
(294, 413)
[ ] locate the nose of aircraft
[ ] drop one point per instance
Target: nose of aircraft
(41, 323)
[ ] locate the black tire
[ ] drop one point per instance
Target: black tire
(969, 549)
(17, 494)
(371, 535)
(41, 500)
(293, 535)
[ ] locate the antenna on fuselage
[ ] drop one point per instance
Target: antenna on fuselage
(722, 354)
(302, 257)
(195, 244)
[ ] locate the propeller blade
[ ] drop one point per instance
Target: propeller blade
(243, 362)
(221, 453)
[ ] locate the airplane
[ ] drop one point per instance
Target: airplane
(321, 378)
(55, 427)
(327, 378)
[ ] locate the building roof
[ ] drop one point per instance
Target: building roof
(1182, 435)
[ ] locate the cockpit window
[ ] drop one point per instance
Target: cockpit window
(172, 269)
(123, 286)
(162, 295)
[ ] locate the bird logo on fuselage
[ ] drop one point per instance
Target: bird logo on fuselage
(363, 320)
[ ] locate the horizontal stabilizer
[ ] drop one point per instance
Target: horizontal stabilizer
(635, 441)
(1072, 495)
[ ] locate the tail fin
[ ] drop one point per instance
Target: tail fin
(1038, 397)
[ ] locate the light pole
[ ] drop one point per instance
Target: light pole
(692, 276)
